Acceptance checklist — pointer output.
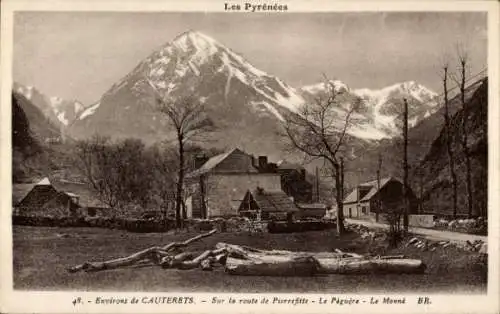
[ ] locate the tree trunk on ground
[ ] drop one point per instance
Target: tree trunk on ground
(250, 261)
(370, 265)
(297, 266)
(154, 254)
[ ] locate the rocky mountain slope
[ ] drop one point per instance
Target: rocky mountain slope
(61, 112)
(34, 141)
(434, 169)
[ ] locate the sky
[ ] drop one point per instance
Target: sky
(80, 55)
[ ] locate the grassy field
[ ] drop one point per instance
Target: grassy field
(41, 256)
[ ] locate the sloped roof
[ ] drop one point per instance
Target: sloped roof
(274, 201)
(213, 162)
(86, 196)
(19, 191)
(353, 196)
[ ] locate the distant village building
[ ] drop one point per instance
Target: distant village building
(264, 205)
(294, 181)
(363, 201)
(58, 198)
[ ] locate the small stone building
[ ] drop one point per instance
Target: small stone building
(367, 199)
(56, 198)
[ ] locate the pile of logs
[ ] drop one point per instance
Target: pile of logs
(248, 261)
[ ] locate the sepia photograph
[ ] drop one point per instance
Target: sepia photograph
(254, 149)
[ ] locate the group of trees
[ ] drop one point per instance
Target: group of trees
(126, 174)
(132, 177)
(460, 79)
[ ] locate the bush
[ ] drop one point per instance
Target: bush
(395, 234)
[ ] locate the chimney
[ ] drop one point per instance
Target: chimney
(199, 160)
(263, 163)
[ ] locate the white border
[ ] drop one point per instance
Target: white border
(60, 302)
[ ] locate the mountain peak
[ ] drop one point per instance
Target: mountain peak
(195, 41)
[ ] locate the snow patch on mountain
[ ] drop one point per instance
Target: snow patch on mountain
(62, 117)
(324, 86)
(26, 91)
(366, 131)
(89, 111)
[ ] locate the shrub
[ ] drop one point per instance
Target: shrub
(395, 233)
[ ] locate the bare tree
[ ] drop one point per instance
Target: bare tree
(460, 80)
(189, 119)
(447, 136)
(316, 132)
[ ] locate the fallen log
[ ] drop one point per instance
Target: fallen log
(297, 266)
(371, 265)
(181, 261)
(177, 245)
(151, 253)
(245, 252)
(255, 261)
(156, 255)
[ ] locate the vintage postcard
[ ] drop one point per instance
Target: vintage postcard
(249, 156)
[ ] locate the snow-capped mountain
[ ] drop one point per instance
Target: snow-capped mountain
(246, 103)
(241, 99)
(380, 113)
(59, 111)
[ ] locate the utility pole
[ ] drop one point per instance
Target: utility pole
(405, 165)
(379, 199)
(340, 195)
(317, 184)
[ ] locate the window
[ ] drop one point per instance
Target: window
(364, 210)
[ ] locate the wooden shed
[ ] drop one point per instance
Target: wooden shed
(264, 205)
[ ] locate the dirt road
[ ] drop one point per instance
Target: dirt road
(430, 234)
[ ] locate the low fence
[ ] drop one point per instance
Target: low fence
(231, 224)
(425, 221)
(129, 224)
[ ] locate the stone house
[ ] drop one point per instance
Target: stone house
(365, 200)
(218, 185)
